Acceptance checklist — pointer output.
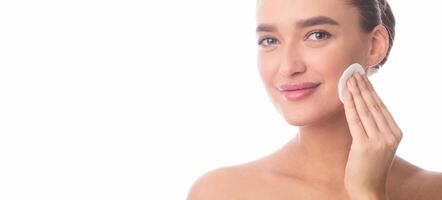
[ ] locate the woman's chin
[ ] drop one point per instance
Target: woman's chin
(312, 117)
(299, 119)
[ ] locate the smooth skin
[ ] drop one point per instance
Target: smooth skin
(341, 151)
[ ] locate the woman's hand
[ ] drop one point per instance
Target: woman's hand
(376, 137)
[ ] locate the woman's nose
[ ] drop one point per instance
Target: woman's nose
(291, 61)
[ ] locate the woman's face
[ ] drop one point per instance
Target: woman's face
(311, 41)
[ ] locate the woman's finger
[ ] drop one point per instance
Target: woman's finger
(372, 105)
(390, 120)
(354, 123)
(364, 113)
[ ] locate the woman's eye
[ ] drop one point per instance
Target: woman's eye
(318, 35)
(266, 40)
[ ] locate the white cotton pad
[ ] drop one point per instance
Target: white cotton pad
(355, 67)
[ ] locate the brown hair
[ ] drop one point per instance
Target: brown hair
(373, 13)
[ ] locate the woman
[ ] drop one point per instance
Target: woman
(342, 150)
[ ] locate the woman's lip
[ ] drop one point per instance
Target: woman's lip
(289, 87)
(296, 95)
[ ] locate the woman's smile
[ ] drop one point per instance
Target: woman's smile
(299, 94)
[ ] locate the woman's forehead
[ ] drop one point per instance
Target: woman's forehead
(294, 11)
(301, 9)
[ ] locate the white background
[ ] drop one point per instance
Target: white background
(137, 99)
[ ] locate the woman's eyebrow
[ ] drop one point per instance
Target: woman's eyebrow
(314, 21)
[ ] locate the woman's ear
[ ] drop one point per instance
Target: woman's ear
(379, 43)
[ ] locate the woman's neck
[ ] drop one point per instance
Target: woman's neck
(319, 152)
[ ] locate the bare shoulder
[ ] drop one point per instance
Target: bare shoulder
(430, 186)
(414, 183)
(220, 183)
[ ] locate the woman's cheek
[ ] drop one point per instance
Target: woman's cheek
(329, 63)
(266, 67)
(328, 59)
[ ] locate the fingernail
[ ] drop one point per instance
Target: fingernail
(358, 76)
(366, 77)
(352, 81)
